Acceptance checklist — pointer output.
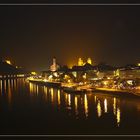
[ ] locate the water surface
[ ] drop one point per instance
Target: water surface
(26, 108)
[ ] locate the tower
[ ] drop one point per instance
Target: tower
(54, 61)
(80, 62)
(89, 61)
(54, 66)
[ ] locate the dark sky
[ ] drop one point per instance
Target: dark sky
(31, 36)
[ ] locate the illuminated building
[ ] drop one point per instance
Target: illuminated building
(8, 62)
(54, 66)
(80, 62)
(89, 61)
(117, 72)
(33, 73)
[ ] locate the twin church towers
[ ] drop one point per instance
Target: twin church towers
(82, 63)
(55, 66)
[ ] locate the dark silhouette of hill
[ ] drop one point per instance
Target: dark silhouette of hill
(6, 69)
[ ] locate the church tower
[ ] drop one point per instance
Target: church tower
(89, 61)
(80, 62)
(54, 66)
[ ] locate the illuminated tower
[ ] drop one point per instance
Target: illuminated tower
(80, 62)
(54, 66)
(89, 61)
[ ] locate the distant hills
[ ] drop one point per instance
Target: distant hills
(6, 69)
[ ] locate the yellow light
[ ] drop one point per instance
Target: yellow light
(95, 98)
(52, 94)
(118, 116)
(59, 101)
(114, 106)
(80, 62)
(31, 87)
(99, 111)
(117, 72)
(89, 61)
(105, 106)
(86, 105)
(45, 90)
(85, 76)
(105, 83)
(138, 64)
(9, 93)
(33, 73)
(8, 62)
(76, 105)
(50, 77)
(69, 99)
(45, 80)
(56, 74)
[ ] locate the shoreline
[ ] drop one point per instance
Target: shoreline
(117, 92)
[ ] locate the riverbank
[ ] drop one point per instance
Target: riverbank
(117, 92)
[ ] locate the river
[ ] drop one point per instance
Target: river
(26, 108)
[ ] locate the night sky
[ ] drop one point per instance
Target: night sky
(31, 36)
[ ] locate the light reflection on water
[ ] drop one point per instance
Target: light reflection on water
(88, 106)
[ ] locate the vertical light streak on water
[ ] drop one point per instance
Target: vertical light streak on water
(9, 92)
(1, 86)
(86, 105)
(59, 100)
(114, 106)
(31, 88)
(118, 117)
(76, 105)
(99, 110)
(105, 105)
(69, 100)
(95, 99)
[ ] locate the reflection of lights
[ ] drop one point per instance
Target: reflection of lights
(37, 89)
(76, 105)
(69, 99)
(114, 106)
(86, 105)
(4, 84)
(105, 106)
(66, 97)
(9, 92)
(52, 94)
(31, 87)
(118, 116)
(1, 86)
(95, 98)
(45, 90)
(99, 111)
(59, 101)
